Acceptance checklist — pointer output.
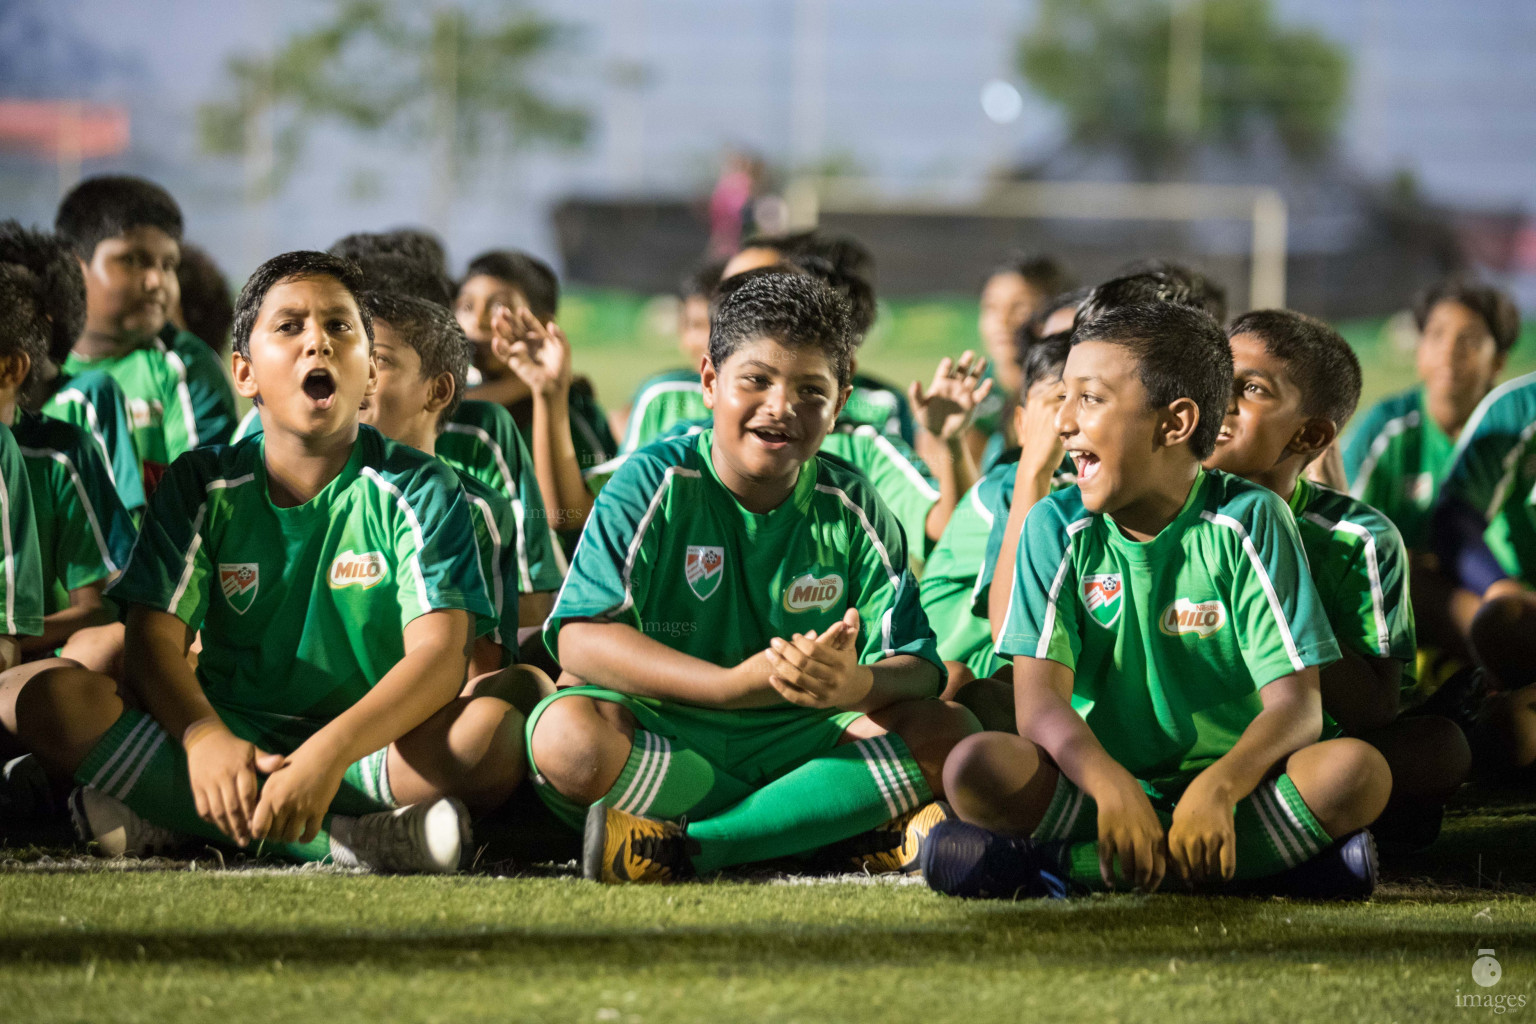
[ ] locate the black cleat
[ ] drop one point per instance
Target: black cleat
(961, 859)
(1344, 871)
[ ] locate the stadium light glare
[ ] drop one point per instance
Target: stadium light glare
(1001, 102)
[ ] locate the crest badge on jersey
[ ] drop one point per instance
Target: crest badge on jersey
(703, 567)
(239, 581)
(1103, 596)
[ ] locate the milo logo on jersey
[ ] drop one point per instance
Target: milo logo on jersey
(1103, 597)
(143, 414)
(703, 568)
(808, 593)
(1203, 619)
(239, 580)
(351, 569)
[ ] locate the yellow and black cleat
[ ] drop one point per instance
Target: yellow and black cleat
(894, 846)
(622, 847)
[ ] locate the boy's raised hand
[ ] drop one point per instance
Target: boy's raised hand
(1202, 841)
(949, 404)
(222, 768)
(1034, 423)
(1130, 832)
(539, 353)
(821, 671)
(297, 794)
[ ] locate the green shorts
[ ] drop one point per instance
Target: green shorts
(123, 754)
(744, 749)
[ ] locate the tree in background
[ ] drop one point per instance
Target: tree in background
(437, 74)
(1153, 78)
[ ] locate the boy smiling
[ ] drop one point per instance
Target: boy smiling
(748, 636)
(1166, 641)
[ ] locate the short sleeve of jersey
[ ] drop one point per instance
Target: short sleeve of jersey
(900, 484)
(21, 613)
(991, 494)
(212, 398)
(1487, 455)
(1280, 621)
(94, 533)
(1357, 446)
(886, 593)
(430, 536)
(612, 566)
(1044, 610)
(170, 569)
(93, 402)
(495, 532)
(1371, 613)
(541, 562)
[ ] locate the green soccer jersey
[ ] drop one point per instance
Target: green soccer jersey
(879, 405)
(949, 578)
(249, 424)
(302, 609)
(496, 530)
(661, 401)
(897, 475)
(1395, 459)
(84, 533)
(93, 402)
(1170, 640)
(481, 440)
(21, 603)
(998, 497)
(1493, 469)
(670, 551)
(208, 386)
(160, 411)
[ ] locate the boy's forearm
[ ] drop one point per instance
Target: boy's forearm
(955, 469)
(1282, 728)
(420, 684)
(157, 673)
(552, 434)
(899, 678)
(1047, 719)
(620, 657)
(1028, 488)
(86, 609)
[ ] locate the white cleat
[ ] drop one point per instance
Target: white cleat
(114, 827)
(427, 838)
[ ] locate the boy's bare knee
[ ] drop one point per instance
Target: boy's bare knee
(61, 713)
(991, 701)
(1428, 755)
(996, 780)
(580, 745)
(1504, 739)
(1345, 782)
(1503, 635)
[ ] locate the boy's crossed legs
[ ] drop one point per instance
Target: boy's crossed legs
(80, 727)
(754, 785)
(1006, 784)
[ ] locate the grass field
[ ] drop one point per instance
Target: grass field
(87, 941)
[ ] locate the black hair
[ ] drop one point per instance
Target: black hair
(1180, 352)
(420, 244)
(109, 205)
(1204, 291)
(1046, 359)
(1033, 329)
(786, 243)
(1494, 306)
(432, 333)
(528, 274)
(702, 281)
(301, 263)
(60, 283)
(1136, 290)
(855, 289)
(795, 310)
(24, 322)
(1044, 274)
(1316, 356)
(399, 262)
(205, 303)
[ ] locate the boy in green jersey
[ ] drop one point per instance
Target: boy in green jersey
(23, 332)
(326, 570)
(84, 534)
(751, 653)
(422, 358)
(91, 401)
(674, 396)
(1295, 386)
(1166, 640)
(1397, 455)
(126, 233)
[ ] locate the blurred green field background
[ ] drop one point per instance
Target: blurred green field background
(620, 338)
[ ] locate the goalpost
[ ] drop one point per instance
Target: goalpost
(808, 198)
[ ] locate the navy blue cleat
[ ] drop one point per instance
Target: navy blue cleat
(1344, 871)
(961, 859)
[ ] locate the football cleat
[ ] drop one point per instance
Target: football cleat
(896, 846)
(961, 859)
(622, 847)
(114, 828)
(1344, 871)
(25, 794)
(425, 838)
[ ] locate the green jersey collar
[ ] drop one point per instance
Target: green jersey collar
(321, 503)
(1168, 536)
(755, 523)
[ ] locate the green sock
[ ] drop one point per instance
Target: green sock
(849, 790)
(1275, 831)
(662, 778)
(138, 763)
